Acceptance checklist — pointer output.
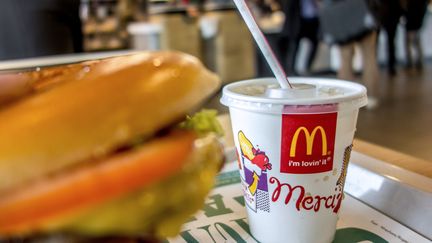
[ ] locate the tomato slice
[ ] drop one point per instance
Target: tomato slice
(59, 196)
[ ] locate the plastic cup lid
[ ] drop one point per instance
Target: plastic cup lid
(265, 95)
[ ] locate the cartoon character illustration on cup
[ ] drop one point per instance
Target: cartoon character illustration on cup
(254, 164)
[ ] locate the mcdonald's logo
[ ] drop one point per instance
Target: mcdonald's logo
(307, 144)
(310, 138)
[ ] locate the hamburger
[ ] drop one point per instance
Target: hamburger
(102, 148)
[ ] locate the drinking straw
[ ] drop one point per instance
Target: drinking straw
(262, 44)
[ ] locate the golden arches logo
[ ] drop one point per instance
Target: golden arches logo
(310, 137)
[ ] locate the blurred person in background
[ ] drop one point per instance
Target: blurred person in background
(349, 29)
(414, 12)
(270, 19)
(279, 20)
(389, 14)
(309, 27)
(367, 46)
(38, 28)
(290, 34)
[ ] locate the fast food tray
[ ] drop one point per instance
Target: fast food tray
(30, 63)
(383, 203)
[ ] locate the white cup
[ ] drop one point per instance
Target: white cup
(293, 148)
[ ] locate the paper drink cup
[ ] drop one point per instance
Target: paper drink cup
(293, 148)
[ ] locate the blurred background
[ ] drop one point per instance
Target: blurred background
(384, 44)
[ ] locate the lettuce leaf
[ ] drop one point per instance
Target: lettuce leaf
(203, 122)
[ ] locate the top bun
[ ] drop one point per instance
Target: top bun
(104, 106)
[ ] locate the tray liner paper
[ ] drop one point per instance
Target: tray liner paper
(223, 219)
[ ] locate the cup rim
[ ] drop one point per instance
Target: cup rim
(354, 93)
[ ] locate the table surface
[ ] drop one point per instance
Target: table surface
(408, 162)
